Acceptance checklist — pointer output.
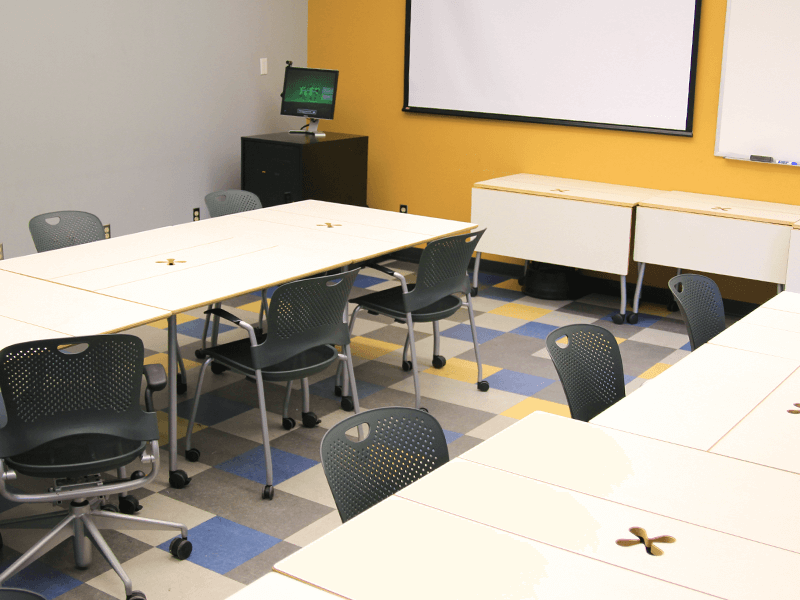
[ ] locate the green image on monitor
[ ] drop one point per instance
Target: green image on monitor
(309, 93)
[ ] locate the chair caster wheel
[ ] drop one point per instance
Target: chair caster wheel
(618, 318)
(217, 368)
(337, 391)
(1, 540)
(136, 595)
(483, 386)
(633, 318)
(128, 505)
(109, 508)
(268, 493)
(521, 281)
(288, 423)
(192, 454)
(310, 420)
(347, 403)
(137, 475)
(182, 387)
(200, 353)
(179, 479)
(407, 365)
(180, 548)
(439, 362)
(473, 292)
(672, 306)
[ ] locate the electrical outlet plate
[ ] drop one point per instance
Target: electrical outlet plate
(195, 214)
(263, 66)
(107, 231)
(403, 208)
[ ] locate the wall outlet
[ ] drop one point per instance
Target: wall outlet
(403, 208)
(263, 66)
(107, 230)
(195, 214)
(2, 256)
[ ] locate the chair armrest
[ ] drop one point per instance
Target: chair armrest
(382, 269)
(224, 314)
(156, 377)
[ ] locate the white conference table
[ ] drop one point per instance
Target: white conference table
(217, 259)
(536, 510)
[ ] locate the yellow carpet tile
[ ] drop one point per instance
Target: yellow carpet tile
(253, 307)
(163, 427)
(657, 310)
(181, 318)
(529, 405)
(510, 284)
(656, 369)
(365, 347)
(520, 311)
(463, 370)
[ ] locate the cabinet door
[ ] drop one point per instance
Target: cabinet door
(272, 172)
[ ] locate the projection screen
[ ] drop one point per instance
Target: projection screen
(617, 64)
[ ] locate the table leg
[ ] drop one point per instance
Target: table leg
(634, 316)
(781, 287)
(177, 478)
(623, 300)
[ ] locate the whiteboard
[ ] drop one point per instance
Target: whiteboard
(759, 93)
(620, 64)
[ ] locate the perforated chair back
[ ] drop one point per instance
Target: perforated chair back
(228, 202)
(590, 368)
(442, 270)
(68, 228)
(304, 314)
(17, 594)
(64, 387)
(403, 444)
(700, 303)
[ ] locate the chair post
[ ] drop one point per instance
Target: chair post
(410, 341)
(196, 403)
(435, 339)
(475, 338)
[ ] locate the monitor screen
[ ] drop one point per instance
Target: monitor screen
(309, 93)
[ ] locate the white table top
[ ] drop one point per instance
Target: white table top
(590, 527)
(698, 400)
(785, 301)
(723, 206)
(775, 319)
(757, 338)
(275, 586)
(569, 189)
(731, 496)
(15, 332)
(401, 550)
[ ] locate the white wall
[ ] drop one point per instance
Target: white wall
(134, 109)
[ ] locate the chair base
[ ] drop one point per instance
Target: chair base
(83, 522)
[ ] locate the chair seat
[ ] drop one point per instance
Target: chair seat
(237, 355)
(390, 303)
(77, 455)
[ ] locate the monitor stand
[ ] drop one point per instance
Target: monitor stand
(312, 129)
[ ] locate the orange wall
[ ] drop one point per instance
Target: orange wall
(430, 162)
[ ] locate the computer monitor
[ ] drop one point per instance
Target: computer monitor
(309, 93)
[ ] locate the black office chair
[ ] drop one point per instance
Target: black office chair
(403, 444)
(700, 303)
(306, 319)
(442, 273)
(68, 228)
(590, 368)
(73, 413)
(18, 594)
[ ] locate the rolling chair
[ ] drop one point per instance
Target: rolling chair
(403, 445)
(306, 319)
(700, 303)
(73, 413)
(442, 273)
(589, 367)
(71, 227)
(219, 204)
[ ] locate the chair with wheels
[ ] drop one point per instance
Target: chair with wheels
(700, 303)
(590, 368)
(306, 319)
(73, 414)
(63, 228)
(442, 273)
(219, 204)
(403, 444)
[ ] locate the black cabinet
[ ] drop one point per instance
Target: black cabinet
(286, 167)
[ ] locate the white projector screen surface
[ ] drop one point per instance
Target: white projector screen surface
(622, 64)
(760, 87)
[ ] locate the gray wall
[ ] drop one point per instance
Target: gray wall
(133, 109)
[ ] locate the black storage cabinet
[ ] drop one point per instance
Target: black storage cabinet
(285, 167)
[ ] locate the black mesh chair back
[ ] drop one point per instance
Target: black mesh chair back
(68, 228)
(403, 444)
(228, 202)
(17, 594)
(590, 368)
(304, 314)
(700, 303)
(72, 387)
(442, 270)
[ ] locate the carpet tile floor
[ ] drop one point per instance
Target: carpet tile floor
(237, 537)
